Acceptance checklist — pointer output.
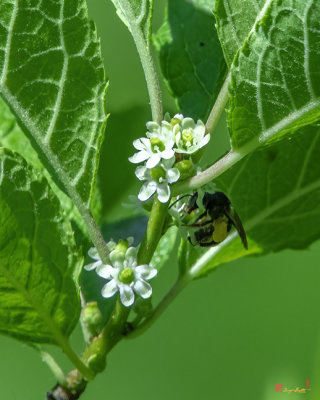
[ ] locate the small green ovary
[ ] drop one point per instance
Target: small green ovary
(157, 145)
(158, 174)
(126, 276)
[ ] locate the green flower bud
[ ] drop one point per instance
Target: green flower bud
(126, 276)
(122, 246)
(157, 173)
(185, 168)
(175, 121)
(157, 144)
(92, 317)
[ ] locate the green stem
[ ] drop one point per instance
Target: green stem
(161, 307)
(54, 367)
(108, 338)
(224, 163)
(76, 361)
(218, 106)
(146, 61)
(94, 232)
(151, 78)
(153, 233)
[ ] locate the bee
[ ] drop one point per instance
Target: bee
(215, 223)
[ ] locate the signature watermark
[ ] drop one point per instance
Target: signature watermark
(281, 388)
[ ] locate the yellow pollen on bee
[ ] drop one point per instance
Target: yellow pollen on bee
(220, 229)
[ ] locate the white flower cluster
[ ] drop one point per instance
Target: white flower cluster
(123, 273)
(158, 151)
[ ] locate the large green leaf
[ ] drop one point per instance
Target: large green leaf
(39, 263)
(235, 19)
(12, 138)
(191, 57)
(275, 76)
(52, 77)
(276, 192)
(137, 16)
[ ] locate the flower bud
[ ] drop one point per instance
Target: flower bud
(175, 121)
(185, 168)
(92, 317)
(122, 246)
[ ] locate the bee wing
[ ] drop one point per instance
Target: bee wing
(235, 219)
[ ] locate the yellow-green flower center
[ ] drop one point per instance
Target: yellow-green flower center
(187, 137)
(157, 145)
(126, 276)
(158, 174)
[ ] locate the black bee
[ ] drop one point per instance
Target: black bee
(216, 221)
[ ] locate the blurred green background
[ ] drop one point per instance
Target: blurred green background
(249, 325)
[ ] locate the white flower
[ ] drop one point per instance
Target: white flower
(191, 137)
(157, 180)
(126, 276)
(156, 146)
(93, 253)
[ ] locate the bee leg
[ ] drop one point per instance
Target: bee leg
(207, 244)
(190, 241)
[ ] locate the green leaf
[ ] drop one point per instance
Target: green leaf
(52, 77)
(235, 19)
(12, 138)
(191, 58)
(39, 264)
(136, 14)
(206, 5)
(276, 193)
(275, 76)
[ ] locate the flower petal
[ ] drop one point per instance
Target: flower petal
(126, 295)
(138, 144)
(167, 117)
(153, 160)
(111, 245)
(141, 172)
(146, 272)
(139, 157)
(152, 127)
(109, 289)
(93, 253)
(147, 190)
(166, 164)
(131, 252)
(105, 271)
(163, 192)
(204, 141)
(173, 174)
(169, 153)
(188, 123)
(142, 288)
(92, 266)
(116, 258)
(130, 240)
(179, 116)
